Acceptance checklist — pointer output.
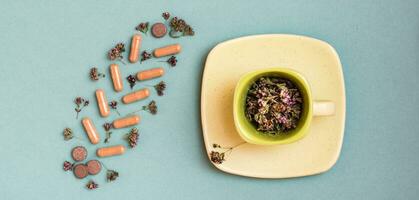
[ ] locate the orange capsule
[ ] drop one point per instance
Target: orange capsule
(126, 121)
(110, 151)
(150, 73)
(167, 50)
(90, 129)
(136, 96)
(116, 77)
(102, 103)
(135, 48)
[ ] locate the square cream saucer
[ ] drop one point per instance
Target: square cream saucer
(317, 61)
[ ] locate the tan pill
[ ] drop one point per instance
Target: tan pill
(90, 129)
(116, 77)
(167, 50)
(136, 96)
(102, 103)
(150, 73)
(126, 121)
(110, 151)
(135, 48)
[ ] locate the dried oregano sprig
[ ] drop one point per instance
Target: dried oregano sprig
(151, 107)
(80, 104)
(67, 166)
(131, 80)
(166, 15)
(143, 27)
(114, 105)
(218, 157)
(68, 134)
(180, 28)
(132, 137)
(172, 61)
(107, 127)
(160, 87)
(273, 105)
(111, 175)
(145, 56)
(91, 185)
(95, 74)
(116, 52)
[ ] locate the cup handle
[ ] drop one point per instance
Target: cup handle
(323, 108)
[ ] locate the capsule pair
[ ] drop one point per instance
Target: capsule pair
(93, 134)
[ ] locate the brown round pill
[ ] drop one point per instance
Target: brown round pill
(158, 30)
(80, 171)
(93, 167)
(79, 153)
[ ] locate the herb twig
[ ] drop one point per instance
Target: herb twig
(142, 27)
(95, 74)
(180, 28)
(80, 104)
(132, 137)
(172, 61)
(116, 52)
(114, 105)
(107, 127)
(111, 175)
(68, 134)
(91, 185)
(218, 157)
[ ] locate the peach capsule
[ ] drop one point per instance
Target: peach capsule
(150, 73)
(136, 96)
(116, 77)
(167, 50)
(110, 151)
(126, 121)
(135, 48)
(102, 103)
(90, 129)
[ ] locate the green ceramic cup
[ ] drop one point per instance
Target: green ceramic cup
(310, 108)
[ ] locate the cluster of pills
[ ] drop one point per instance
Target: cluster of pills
(79, 153)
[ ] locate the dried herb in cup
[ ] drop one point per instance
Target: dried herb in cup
(273, 105)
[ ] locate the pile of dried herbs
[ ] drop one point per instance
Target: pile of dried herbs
(273, 105)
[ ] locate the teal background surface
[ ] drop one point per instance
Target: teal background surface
(48, 47)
